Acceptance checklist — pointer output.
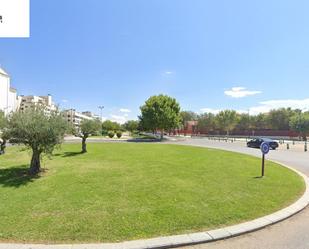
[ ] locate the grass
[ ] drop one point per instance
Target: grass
(127, 191)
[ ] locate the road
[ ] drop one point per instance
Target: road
(292, 233)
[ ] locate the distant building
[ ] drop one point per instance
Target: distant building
(26, 102)
(75, 118)
(8, 95)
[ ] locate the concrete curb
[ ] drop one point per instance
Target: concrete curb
(191, 238)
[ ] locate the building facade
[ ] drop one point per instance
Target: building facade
(75, 118)
(8, 95)
(26, 102)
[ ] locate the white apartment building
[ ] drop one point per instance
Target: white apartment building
(8, 95)
(26, 102)
(75, 118)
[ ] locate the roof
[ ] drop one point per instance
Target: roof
(3, 72)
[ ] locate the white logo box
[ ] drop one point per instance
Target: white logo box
(14, 18)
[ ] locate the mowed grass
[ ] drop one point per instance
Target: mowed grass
(127, 191)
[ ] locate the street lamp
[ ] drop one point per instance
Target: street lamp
(101, 107)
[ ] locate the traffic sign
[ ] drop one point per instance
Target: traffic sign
(265, 148)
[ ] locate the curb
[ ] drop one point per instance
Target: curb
(191, 238)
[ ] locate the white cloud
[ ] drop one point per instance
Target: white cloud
(168, 72)
(216, 111)
(65, 101)
(207, 110)
(240, 92)
(125, 110)
(118, 118)
(266, 106)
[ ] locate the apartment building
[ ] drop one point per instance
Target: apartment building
(8, 95)
(26, 102)
(75, 118)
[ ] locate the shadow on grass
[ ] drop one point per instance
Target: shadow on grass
(68, 154)
(16, 176)
(144, 140)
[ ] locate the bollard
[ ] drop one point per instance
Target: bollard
(293, 142)
(287, 146)
(305, 147)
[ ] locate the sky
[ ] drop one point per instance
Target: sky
(250, 56)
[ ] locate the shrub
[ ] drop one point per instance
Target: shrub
(119, 134)
(111, 134)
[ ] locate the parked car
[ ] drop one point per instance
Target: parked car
(256, 143)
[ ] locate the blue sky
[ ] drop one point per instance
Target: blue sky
(210, 55)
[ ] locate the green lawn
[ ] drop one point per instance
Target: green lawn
(127, 191)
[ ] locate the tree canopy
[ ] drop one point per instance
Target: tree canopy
(36, 130)
(160, 112)
(131, 125)
(88, 128)
(300, 124)
(227, 120)
(3, 126)
(109, 125)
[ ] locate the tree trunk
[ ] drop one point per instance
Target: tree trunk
(35, 166)
(162, 133)
(84, 145)
(2, 146)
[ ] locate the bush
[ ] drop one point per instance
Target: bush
(119, 134)
(111, 134)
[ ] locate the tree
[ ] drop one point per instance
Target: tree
(160, 112)
(3, 126)
(38, 131)
(109, 125)
(87, 128)
(227, 120)
(280, 119)
(131, 125)
(243, 122)
(300, 124)
(188, 116)
(206, 122)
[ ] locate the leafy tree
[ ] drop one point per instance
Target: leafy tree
(3, 126)
(243, 122)
(188, 116)
(131, 125)
(280, 119)
(160, 112)
(38, 131)
(259, 122)
(227, 120)
(300, 124)
(206, 122)
(88, 128)
(109, 125)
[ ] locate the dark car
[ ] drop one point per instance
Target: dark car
(256, 143)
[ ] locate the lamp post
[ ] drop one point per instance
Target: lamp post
(101, 107)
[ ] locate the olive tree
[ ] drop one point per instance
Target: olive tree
(38, 130)
(3, 126)
(160, 112)
(87, 128)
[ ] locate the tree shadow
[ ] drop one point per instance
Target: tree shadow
(16, 176)
(71, 154)
(144, 140)
(68, 154)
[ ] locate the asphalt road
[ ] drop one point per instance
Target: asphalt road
(292, 233)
